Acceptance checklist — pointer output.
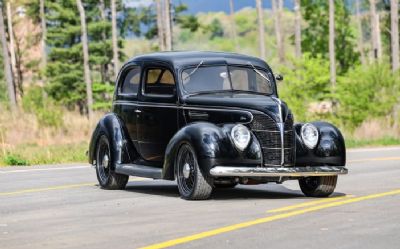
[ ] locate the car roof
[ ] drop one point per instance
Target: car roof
(185, 58)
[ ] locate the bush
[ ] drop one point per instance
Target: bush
(11, 159)
(367, 92)
(307, 81)
(48, 114)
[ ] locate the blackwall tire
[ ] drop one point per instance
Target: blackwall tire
(106, 176)
(318, 186)
(192, 183)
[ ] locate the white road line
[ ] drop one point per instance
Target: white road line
(46, 169)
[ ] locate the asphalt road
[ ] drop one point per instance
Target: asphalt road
(62, 207)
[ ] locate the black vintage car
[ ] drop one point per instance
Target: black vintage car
(209, 120)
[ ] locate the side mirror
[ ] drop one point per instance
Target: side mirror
(278, 77)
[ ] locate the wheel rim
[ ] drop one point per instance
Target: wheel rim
(103, 160)
(186, 169)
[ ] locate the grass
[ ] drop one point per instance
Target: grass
(32, 154)
(385, 141)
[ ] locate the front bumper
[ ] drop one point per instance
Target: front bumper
(221, 171)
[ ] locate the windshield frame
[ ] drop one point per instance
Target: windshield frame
(267, 70)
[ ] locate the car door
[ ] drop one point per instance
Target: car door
(126, 99)
(157, 121)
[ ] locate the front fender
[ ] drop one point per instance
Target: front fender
(330, 150)
(212, 145)
(122, 149)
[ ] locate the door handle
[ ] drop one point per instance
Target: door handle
(138, 111)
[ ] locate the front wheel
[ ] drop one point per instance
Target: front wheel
(106, 176)
(318, 186)
(192, 183)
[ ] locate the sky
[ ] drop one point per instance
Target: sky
(196, 6)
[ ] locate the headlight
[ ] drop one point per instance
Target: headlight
(240, 136)
(309, 134)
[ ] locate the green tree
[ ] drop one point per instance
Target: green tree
(64, 70)
(215, 29)
(315, 35)
(308, 82)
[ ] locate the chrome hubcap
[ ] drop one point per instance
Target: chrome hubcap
(105, 161)
(186, 170)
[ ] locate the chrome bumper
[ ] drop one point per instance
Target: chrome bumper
(220, 171)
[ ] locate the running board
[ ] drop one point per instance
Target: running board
(139, 170)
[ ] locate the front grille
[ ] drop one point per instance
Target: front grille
(267, 132)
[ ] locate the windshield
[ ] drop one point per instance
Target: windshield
(217, 78)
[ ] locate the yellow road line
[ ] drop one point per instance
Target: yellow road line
(230, 228)
(34, 190)
(308, 203)
(375, 159)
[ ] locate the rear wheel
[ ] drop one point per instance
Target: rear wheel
(106, 176)
(318, 186)
(192, 183)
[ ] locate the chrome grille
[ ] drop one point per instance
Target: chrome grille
(267, 132)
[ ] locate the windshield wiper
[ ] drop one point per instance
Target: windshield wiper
(194, 70)
(259, 73)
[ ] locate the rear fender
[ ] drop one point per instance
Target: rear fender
(121, 146)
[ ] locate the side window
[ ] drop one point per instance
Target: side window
(159, 81)
(131, 81)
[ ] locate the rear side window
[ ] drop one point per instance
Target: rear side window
(159, 81)
(131, 81)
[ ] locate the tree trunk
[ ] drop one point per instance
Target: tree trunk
(12, 47)
(233, 24)
(394, 33)
(261, 30)
(114, 37)
(86, 67)
(332, 61)
(6, 62)
(44, 34)
(103, 67)
(297, 26)
(168, 25)
(375, 31)
(277, 6)
(360, 31)
(160, 26)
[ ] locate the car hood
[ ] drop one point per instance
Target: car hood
(266, 104)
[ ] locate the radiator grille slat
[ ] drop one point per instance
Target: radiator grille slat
(267, 132)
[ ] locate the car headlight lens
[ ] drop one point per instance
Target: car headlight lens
(309, 134)
(240, 136)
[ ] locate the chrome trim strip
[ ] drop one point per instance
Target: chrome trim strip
(220, 171)
(281, 126)
(183, 107)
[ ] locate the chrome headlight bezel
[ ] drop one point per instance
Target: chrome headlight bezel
(310, 135)
(241, 136)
